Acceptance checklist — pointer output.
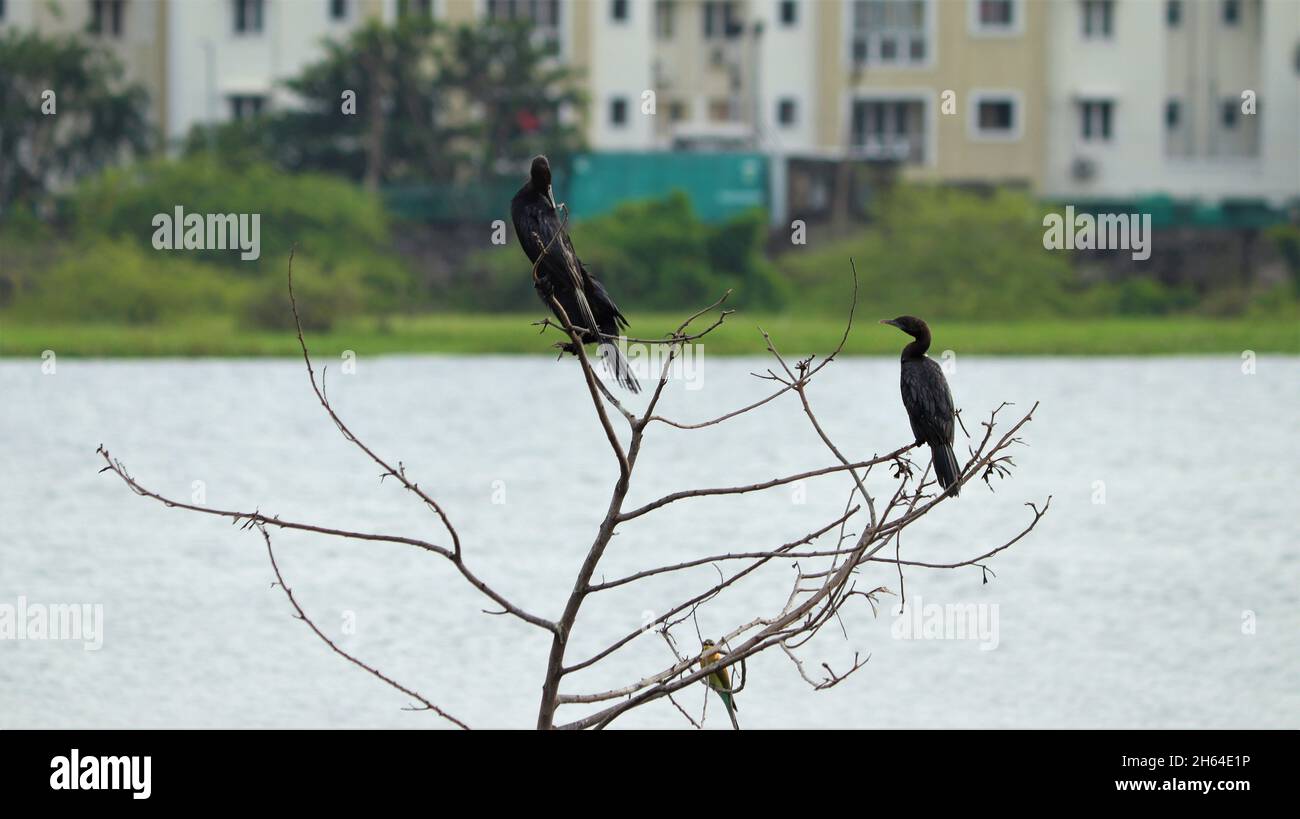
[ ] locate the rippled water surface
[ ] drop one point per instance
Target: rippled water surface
(1129, 612)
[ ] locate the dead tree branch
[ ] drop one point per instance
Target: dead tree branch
(824, 576)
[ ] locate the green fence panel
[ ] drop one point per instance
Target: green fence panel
(719, 185)
(452, 204)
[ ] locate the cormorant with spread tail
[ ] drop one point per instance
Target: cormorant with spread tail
(927, 400)
(561, 274)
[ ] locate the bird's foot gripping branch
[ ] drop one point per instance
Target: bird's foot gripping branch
(828, 561)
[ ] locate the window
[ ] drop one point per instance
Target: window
(338, 10)
(889, 32)
(676, 111)
(1229, 113)
(787, 112)
(1237, 135)
(618, 10)
(720, 110)
(996, 117)
(1095, 120)
(1231, 12)
(106, 17)
(415, 8)
(1174, 13)
(890, 129)
(618, 112)
(664, 19)
(995, 15)
(788, 13)
(1179, 141)
(243, 106)
(721, 20)
(996, 18)
(543, 14)
(248, 16)
(1098, 19)
(538, 12)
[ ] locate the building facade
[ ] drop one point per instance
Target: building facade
(1073, 99)
(135, 32)
(1191, 99)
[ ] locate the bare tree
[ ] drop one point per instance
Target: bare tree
(825, 577)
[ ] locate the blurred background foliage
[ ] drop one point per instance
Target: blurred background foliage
(658, 251)
(445, 109)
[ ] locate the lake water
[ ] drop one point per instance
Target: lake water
(1173, 603)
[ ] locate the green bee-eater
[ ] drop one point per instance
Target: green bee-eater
(720, 680)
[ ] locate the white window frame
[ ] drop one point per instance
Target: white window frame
(1182, 15)
(557, 33)
(613, 124)
(929, 30)
(794, 121)
(1096, 141)
(798, 16)
(1177, 103)
(231, 106)
(925, 96)
(665, 11)
(1012, 95)
(433, 9)
(247, 32)
(979, 29)
(1100, 37)
(1223, 14)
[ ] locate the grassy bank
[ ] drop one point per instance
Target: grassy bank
(461, 333)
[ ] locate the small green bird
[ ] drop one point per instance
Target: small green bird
(720, 680)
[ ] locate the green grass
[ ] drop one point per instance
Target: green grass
(794, 336)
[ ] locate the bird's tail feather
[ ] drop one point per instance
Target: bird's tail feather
(618, 366)
(945, 467)
(587, 319)
(730, 702)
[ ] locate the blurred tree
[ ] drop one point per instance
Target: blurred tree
(370, 110)
(519, 97)
(415, 102)
(392, 127)
(659, 252)
(65, 110)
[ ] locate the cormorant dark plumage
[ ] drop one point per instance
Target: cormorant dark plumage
(563, 275)
(927, 400)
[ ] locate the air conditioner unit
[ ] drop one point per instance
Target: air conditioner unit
(1083, 168)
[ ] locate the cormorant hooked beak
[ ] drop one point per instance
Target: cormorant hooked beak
(890, 322)
(550, 197)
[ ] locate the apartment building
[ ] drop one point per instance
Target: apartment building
(952, 89)
(229, 58)
(1154, 98)
(134, 31)
(1075, 99)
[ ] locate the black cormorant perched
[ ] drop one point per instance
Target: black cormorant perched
(562, 274)
(927, 400)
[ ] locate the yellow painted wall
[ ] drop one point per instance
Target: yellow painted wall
(963, 63)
